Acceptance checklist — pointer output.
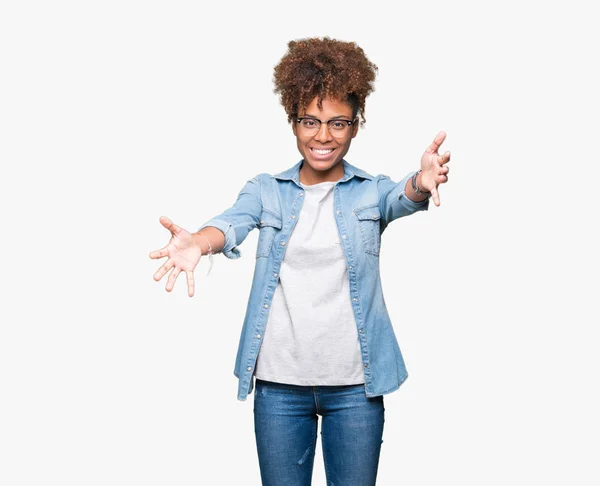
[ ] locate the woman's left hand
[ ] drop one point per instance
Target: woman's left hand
(434, 170)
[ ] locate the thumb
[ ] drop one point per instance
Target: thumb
(172, 227)
(435, 196)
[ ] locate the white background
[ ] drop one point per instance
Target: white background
(114, 113)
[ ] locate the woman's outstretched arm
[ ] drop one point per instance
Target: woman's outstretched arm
(398, 199)
(221, 234)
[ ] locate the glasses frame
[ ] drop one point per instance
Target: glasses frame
(328, 122)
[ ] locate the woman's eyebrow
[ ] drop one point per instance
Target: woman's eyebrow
(307, 115)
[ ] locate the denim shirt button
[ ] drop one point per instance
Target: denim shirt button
(258, 336)
(266, 306)
(361, 331)
(283, 243)
(344, 236)
(338, 212)
(301, 194)
(249, 368)
(274, 275)
(355, 299)
(350, 267)
(293, 216)
(366, 365)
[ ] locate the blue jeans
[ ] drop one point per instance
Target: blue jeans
(285, 425)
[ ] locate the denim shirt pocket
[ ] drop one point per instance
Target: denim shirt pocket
(270, 225)
(369, 219)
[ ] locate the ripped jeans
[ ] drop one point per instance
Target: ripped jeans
(285, 425)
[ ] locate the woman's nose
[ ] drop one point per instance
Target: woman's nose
(323, 135)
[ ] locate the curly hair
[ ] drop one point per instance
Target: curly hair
(323, 68)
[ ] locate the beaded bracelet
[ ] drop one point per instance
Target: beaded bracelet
(209, 253)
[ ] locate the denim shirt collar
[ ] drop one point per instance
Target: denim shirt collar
(293, 173)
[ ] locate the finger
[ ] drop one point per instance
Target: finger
(445, 158)
(159, 253)
(443, 174)
(440, 160)
(167, 223)
(437, 141)
(190, 283)
(172, 278)
(160, 273)
(435, 196)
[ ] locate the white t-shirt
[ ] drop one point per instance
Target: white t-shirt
(311, 336)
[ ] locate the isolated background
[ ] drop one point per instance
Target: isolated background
(115, 113)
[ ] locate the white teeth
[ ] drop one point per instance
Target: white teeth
(322, 152)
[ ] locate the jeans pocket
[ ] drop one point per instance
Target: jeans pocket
(270, 225)
(369, 219)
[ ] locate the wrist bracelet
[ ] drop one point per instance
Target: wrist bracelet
(209, 253)
(415, 187)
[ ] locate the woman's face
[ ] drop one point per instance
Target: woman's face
(323, 150)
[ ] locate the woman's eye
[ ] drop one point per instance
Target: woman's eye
(338, 125)
(308, 123)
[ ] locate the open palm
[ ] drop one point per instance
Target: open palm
(183, 255)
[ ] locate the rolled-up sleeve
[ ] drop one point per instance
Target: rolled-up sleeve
(393, 201)
(241, 218)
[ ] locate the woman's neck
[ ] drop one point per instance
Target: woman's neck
(309, 176)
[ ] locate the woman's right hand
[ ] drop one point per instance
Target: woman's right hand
(183, 255)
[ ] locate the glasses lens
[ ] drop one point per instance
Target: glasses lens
(338, 128)
(309, 125)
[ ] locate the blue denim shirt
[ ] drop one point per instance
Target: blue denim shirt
(364, 206)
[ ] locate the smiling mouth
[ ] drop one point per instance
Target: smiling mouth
(321, 152)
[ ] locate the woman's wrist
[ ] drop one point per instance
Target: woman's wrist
(419, 184)
(202, 242)
(209, 239)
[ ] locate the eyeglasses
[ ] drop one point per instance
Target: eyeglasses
(338, 128)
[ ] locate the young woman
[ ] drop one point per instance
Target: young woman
(317, 338)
